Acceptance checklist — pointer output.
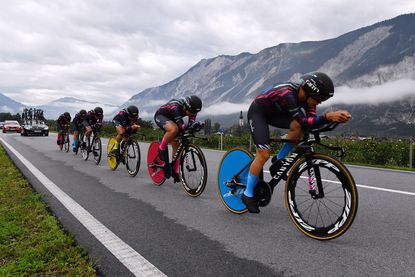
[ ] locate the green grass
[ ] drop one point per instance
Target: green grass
(32, 243)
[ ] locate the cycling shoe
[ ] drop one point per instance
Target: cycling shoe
(251, 203)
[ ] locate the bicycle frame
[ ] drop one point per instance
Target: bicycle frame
(279, 169)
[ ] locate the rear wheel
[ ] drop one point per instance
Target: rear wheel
(133, 158)
(193, 170)
(329, 216)
(235, 161)
(155, 166)
(111, 156)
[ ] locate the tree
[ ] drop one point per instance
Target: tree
(216, 127)
(208, 126)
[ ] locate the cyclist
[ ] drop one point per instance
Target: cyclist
(169, 118)
(93, 120)
(77, 125)
(289, 106)
(64, 120)
(125, 122)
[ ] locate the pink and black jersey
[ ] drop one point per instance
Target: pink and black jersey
(282, 99)
(174, 110)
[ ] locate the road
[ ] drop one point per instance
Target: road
(183, 236)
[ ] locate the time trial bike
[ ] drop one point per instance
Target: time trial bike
(64, 141)
(87, 147)
(192, 164)
(128, 153)
(320, 193)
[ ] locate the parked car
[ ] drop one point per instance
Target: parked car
(40, 129)
(11, 126)
(1, 124)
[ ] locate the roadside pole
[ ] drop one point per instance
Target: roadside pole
(411, 150)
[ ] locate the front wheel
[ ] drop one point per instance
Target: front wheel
(193, 170)
(133, 158)
(155, 165)
(97, 150)
(66, 143)
(84, 145)
(332, 213)
(235, 161)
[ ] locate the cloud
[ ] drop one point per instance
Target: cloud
(391, 91)
(110, 50)
(224, 108)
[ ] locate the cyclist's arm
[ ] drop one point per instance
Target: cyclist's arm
(311, 120)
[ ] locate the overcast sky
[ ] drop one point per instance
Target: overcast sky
(110, 50)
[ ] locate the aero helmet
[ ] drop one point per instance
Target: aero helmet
(66, 115)
(317, 85)
(193, 104)
(82, 113)
(132, 110)
(98, 111)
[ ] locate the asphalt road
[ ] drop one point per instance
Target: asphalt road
(184, 236)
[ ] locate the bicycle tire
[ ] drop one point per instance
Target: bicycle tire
(85, 143)
(343, 193)
(153, 164)
(232, 162)
(196, 188)
(111, 158)
(131, 168)
(97, 150)
(67, 143)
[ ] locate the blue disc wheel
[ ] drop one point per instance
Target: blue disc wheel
(235, 161)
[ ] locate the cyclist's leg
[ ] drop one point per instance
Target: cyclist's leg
(170, 128)
(120, 132)
(260, 134)
(294, 133)
(75, 131)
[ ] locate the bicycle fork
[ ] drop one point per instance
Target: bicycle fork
(314, 178)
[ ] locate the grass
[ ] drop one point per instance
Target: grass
(32, 242)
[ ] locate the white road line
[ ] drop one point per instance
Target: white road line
(369, 187)
(136, 263)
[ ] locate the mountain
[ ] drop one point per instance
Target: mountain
(8, 105)
(370, 56)
(53, 109)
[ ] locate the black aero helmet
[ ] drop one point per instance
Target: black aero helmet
(66, 115)
(98, 111)
(193, 103)
(132, 110)
(317, 85)
(82, 113)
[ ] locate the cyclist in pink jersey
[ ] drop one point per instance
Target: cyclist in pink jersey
(290, 106)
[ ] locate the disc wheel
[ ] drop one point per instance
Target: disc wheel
(235, 160)
(111, 157)
(155, 166)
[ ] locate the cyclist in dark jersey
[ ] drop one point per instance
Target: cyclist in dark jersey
(77, 125)
(126, 121)
(169, 118)
(93, 120)
(290, 106)
(63, 121)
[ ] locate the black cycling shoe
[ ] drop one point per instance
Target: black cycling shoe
(251, 203)
(176, 177)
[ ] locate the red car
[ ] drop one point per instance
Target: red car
(11, 126)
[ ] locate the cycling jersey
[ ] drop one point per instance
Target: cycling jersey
(61, 122)
(123, 119)
(90, 120)
(77, 122)
(174, 110)
(277, 107)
